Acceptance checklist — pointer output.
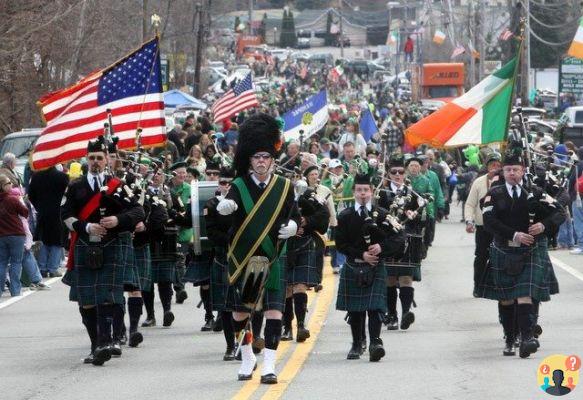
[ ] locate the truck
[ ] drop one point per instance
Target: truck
(247, 46)
(442, 82)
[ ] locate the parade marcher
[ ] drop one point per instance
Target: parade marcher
(421, 184)
(519, 270)
(302, 259)
(264, 215)
(473, 214)
(96, 218)
(437, 206)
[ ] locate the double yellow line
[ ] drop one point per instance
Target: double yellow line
(301, 351)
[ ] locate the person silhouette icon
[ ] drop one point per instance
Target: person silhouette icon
(546, 384)
(570, 383)
(558, 389)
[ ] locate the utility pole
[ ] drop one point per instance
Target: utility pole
(524, 93)
(144, 20)
(341, 29)
(481, 40)
(472, 40)
(199, 39)
(250, 17)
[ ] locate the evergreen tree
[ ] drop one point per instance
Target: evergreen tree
(293, 39)
(262, 28)
(329, 40)
(283, 38)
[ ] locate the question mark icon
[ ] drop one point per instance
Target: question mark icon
(544, 369)
(573, 363)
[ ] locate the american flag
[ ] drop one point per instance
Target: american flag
(240, 98)
(506, 34)
(458, 51)
(131, 88)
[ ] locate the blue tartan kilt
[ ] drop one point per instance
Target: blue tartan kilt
(537, 279)
(70, 279)
(131, 277)
(163, 270)
(220, 281)
(301, 265)
(351, 297)
(198, 270)
(272, 299)
(105, 285)
(144, 266)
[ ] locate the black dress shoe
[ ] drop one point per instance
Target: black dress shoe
(407, 320)
(101, 355)
(376, 350)
(302, 334)
(537, 331)
(229, 354)
(258, 345)
(287, 335)
(509, 349)
(89, 359)
(208, 325)
(218, 325)
(243, 377)
(135, 339)
(354, 353)
(269, 379)
(181, 296)
(168, 318)
(149, 323)
(116, 349)
(527, 347)
(392, 322)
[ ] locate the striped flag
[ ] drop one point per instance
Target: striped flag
(439, 37)
(131, 88)
(240, 98)
(458, 51)
(478, 117)
(576, 48)
(506, 34)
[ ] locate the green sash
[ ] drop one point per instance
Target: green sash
(254, 231)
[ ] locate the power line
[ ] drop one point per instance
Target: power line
(537, 37)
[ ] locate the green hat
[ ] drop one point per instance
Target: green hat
(179, 164)
(145, 161)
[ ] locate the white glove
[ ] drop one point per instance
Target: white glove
(226, 207)
(289, 230)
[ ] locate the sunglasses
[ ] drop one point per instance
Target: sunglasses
(212, 173)
(397, 172)
(96, 158)
(261, 156)
(224, 183)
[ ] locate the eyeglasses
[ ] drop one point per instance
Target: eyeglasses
(224, 183)
(212, 173)
(262, 156)
(94, 158)
(397, 172)
(7, 183)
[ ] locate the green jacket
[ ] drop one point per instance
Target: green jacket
(422, 185)
(439, 202)
(183, 192)
(347, 189)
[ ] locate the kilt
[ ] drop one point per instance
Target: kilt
(144, 266)
(105, 285)
(163, 271)
(219, 281)
(70, 279)
(131, 278)
(354, 298)
(537, 279)
(272, 299)
(301, 266)
(198, 270)
(409, 264)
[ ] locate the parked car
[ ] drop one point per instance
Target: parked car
(20, 144)
(280, 54)
(303, 43)
(321, 58)
(359, 67)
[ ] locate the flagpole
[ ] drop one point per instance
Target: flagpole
(517, 64)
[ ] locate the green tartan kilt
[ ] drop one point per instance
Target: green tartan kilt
(144, 265)
(105, 285)
(301, 265)
(163, 270)
(198, 270)
(403, 268)
(354, 298)
(272, 299)
(537, 279)
(70, 279)
(131, 279)
(220, 281)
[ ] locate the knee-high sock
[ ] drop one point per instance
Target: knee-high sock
(500, 306)
(288, 314)
(205, 296)
(89, 318)
(392, 300)
(406, 296)
(149, 302)
(257, 323)
(355, 319)
(507, 317)
(301, 307)
(238, 326)
(525, 314)
(272, 333)
(535, 310)
(374, 325)
(165, 291)
(363, 325)
(228, 330)
(104, 321)
(135, 311)
(118, 324)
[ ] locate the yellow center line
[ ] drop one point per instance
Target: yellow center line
(251, 386)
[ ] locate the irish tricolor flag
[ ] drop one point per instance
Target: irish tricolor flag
(576, 48)
(479, 116)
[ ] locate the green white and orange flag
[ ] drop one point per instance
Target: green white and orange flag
(576, 48)
(479, 116)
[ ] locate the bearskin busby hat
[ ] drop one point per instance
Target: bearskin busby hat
(259, 132)
(513, 154)
(96, 145)
(396, 160)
